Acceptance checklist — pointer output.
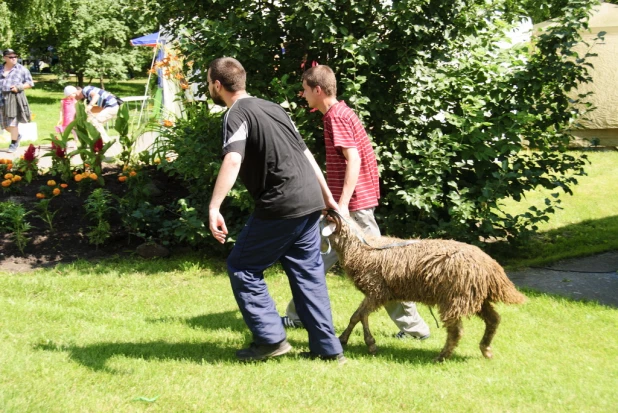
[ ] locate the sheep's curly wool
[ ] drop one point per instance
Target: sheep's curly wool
(460, 279)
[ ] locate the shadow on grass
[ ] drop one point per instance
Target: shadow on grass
(44, 100)
(570, 241)
(412, 354)
(96, 356)
(226, 320)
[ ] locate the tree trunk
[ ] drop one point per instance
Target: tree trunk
(80, 79)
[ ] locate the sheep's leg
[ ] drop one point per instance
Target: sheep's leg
(492, 320)
(361, 314)
(369, 340)
(343, 338)
(454, 329)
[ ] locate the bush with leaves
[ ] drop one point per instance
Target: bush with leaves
(191, 150)
(450, 110)
(60, 156)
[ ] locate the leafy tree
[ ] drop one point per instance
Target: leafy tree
(90, 37)
(459, 123)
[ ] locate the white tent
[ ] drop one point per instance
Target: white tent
(602, 123)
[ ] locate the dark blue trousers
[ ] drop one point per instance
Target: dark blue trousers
(296, 244)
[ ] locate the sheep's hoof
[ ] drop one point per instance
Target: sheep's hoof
(487, 353)
(343, 341)
(373, 349)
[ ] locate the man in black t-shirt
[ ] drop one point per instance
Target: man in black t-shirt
(262, 146)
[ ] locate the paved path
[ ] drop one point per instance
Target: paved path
(590, 278)
(142, 143)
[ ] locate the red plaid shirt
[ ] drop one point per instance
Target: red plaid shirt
(343, 129)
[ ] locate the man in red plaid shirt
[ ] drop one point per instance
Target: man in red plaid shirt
(352, 176)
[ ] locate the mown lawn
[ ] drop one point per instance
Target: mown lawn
(133, 336)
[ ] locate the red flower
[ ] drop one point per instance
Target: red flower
(98, 145)
(59, 151)
(29, 154)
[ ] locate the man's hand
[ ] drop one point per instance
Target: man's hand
(217, 225)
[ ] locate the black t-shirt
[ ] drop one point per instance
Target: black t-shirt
(274, 168)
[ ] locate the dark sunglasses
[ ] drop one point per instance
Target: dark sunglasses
(12, 57)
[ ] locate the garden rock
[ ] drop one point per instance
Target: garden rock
(152, 250)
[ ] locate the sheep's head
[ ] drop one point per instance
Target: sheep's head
(338, 227)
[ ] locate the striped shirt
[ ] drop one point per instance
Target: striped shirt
(104, 98)
(343, 129)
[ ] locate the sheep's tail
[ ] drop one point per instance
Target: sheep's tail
(502, 289)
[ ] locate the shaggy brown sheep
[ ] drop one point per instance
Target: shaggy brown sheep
(458, 278)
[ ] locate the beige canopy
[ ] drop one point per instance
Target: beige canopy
(603, 122)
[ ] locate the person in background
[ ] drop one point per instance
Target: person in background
(352, 176)
(67, 108)
(14, 108)
(262, 146)
(101, 107)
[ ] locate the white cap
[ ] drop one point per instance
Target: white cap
(69, 90)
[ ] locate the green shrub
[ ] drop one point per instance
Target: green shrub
(448, 109)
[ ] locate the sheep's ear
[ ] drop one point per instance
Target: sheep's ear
(327, 230)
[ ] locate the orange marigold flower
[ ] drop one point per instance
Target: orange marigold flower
(3, 161)
(78, 178)
(56, 191)
(64, 185)
(168, 123)
(40, 196)
(7, 183)
(132, 173)
(184, 86)
(93, 176)
(51, 182)
(16, 178)
(8, 176)
(122, 178)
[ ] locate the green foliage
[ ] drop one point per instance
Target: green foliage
(13, 221)
(458, 122)
(191, 150)
(45, 214)
(91, 146)
(61, 158)
(98, 207)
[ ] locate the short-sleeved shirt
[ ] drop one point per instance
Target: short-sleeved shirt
(17, 76)
(275, 169)
(104, 98)
(343, 129)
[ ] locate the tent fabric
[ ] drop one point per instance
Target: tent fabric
(602, 123)
(149, 40)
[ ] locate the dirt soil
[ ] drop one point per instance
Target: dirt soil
(69, 242)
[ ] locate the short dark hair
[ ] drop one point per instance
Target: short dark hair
(322, 76)
(229, 72)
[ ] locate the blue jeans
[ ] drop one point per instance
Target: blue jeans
(296, 244)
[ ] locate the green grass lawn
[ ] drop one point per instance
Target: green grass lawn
(587, 222)
(160, 336)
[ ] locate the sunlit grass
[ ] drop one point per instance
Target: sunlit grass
(586, 223)
(44, 100)
(135, 335)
